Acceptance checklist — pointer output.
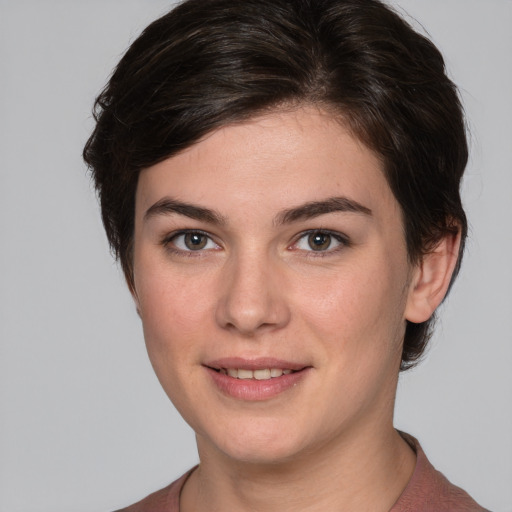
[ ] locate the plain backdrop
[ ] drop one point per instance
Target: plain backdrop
(84, 425)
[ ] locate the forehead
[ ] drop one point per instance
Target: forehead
(270, 163)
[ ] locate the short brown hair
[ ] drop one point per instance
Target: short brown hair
(208, 63)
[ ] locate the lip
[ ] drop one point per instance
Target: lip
(252, 389)
(259, 363)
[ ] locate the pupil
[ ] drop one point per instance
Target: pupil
(319, 241)
(195, 241)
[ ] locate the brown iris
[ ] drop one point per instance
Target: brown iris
(319, 241)
(195, 241)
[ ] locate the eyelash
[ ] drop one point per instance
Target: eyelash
(343, 240)
(169, 239)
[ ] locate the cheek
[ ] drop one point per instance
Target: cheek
(357, 311)
(173, 310)
(174, 317)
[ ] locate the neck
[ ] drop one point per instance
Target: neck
(368, 472)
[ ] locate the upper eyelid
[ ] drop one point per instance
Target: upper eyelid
(336, 234)
(168, 238)
(343, 241)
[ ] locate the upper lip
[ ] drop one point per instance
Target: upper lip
(259, 363)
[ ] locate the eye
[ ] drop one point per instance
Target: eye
(191, 241)
(320, 241)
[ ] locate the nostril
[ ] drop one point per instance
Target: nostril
(250, 301)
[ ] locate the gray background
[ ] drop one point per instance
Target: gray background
(84, 425)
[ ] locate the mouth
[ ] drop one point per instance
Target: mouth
(256, 379)
(261, 374)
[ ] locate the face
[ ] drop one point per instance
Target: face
(272, 280)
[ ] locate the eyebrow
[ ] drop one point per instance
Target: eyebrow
(309, 210)
(166, 206)
(314, 209)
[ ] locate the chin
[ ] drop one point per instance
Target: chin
(268, 442)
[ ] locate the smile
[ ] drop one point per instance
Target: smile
(263, 374)
(256, 379)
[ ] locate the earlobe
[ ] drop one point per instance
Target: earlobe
(137, 306)
(136, 301)
(431, 279)
(135, 297)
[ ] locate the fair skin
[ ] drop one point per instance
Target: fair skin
(276, 244)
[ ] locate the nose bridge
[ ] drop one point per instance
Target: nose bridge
(252, 299)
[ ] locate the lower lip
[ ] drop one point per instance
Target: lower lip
(253, 389)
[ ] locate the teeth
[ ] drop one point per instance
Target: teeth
(264, 374)
(245, 374)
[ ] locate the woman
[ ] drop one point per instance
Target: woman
(280, 181)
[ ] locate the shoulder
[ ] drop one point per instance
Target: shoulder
(429, 490)
(164, 500)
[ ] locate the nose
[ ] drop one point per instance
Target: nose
(252, 298)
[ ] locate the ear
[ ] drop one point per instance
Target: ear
(431, 279)
(131, 286)
(137, 305)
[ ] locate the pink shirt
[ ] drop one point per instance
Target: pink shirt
(427, 491)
